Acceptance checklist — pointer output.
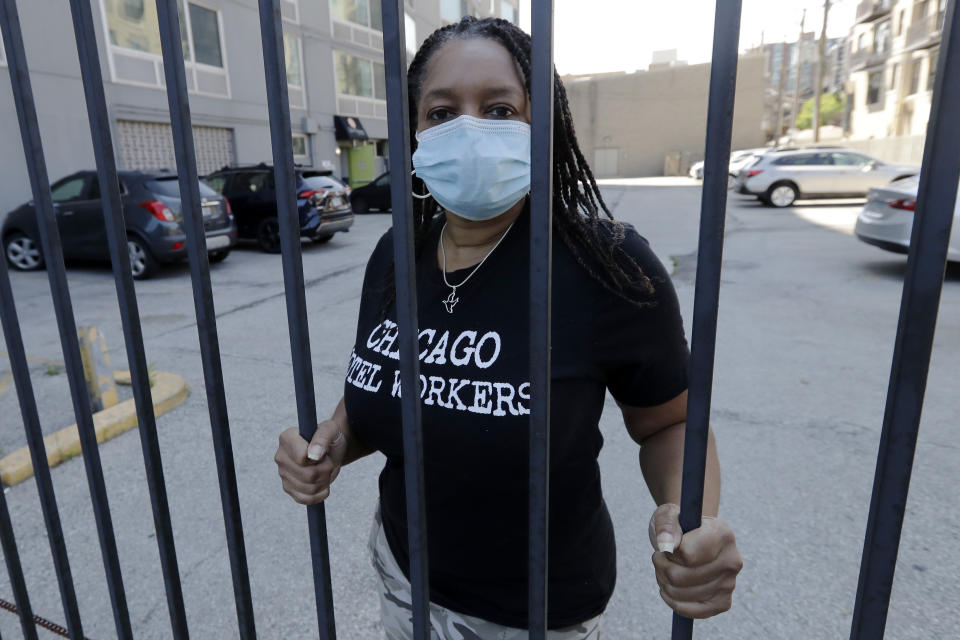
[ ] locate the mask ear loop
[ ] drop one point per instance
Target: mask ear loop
(417, 195)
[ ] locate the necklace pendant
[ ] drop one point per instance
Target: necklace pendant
(451, 300)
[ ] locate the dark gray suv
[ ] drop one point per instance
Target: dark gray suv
(151, 210)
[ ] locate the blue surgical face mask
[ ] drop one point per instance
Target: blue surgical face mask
(473, 167)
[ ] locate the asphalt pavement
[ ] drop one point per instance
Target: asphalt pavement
(808, 317)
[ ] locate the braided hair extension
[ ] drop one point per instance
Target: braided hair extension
(577, 203)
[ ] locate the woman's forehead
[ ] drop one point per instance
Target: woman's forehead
(472, 64)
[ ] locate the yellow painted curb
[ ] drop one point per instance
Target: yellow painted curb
(169, 391)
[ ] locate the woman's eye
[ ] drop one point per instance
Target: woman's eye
(439, 114)
(501, 111)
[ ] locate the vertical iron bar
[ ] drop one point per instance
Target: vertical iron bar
(129, 313)
(713, 209)
(174, 72)
(278, 103)
(398, 124)
(541, 256)
(15, 571)
(60, 292)
(38, 452)
(926, 263)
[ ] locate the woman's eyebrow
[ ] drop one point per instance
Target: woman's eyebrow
(446, 93)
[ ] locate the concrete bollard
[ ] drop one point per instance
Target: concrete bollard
(96, 369)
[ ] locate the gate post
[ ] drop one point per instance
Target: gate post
(936, 199)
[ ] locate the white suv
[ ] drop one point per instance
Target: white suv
(779, 178)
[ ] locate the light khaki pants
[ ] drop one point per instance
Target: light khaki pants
(397, 610)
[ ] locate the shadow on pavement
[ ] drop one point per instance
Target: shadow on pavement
(895, 268)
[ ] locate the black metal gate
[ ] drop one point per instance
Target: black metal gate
(921, 295)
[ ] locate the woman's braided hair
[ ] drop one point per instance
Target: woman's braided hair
(577, 203)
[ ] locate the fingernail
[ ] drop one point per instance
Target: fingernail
(315, 452)
(665, 542)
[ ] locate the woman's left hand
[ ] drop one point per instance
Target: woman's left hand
(697, 570)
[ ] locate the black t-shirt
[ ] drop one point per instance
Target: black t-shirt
(474, 387)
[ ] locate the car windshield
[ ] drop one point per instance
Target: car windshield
(168, 186)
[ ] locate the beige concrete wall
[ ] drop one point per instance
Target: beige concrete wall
(645, 116)
(896, 150)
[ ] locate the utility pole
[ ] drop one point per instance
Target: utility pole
(796, 86)
(783, 81)
(821, 58)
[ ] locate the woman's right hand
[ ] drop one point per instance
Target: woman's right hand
(308, 469)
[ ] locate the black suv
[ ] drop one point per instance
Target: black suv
(323, 203)
(151, 210)
(375, 195)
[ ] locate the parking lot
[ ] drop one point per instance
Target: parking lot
(808, 317)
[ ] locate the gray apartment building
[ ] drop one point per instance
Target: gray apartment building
(334, 60)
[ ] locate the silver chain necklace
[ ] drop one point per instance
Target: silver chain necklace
(451, 300)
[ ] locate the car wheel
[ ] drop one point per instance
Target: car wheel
(781, 195)
(360, 206)
(218, 256)
(268, 235)
(142, 263)
(22, 252)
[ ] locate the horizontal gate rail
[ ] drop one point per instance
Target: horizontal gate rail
(278, 102)
(129, 314)
(541, 262)
(189, 182)
(923, 283)
(66, 323)
(398, 124)
(14, 569)
(713, 206)
(38, 452)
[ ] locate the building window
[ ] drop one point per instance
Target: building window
(290, 10)
(932, 69)
(900, 22)
(862, 42)
(133, 9)
(893, 75)
(301, 149)
(291, 50)
(135, 55)
(915, 71)
(410, 33)
(206, 35)
(140, 31)
(508, 12)
(881, 39)
(365, 13)
(360, 77)
(874, 88)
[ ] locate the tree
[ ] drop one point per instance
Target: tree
(832, 106)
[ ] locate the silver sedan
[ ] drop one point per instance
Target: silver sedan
(887, 219)
(779, 178)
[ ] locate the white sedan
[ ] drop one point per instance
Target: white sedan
(887, 219)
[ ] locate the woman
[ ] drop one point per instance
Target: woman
(616, 326)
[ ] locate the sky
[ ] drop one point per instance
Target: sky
(594, 36)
